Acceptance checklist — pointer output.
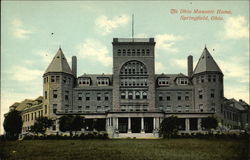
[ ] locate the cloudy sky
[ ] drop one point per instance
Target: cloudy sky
(86, 29)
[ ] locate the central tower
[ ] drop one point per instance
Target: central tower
(133, 74)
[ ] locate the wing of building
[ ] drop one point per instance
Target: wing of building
(134, 100)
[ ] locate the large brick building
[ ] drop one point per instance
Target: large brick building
(134, 100)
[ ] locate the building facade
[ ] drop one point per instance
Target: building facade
(133, 100)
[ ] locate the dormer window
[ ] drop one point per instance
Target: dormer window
(182, 81)
(103, 81)
(84, 81)
(163, 81)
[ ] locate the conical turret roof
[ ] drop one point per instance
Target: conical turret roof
(206, 63)
(59, 63)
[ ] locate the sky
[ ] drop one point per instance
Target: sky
(86, 29)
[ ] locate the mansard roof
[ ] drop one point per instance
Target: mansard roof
(59, 64)
(206, 63)
(234, 103)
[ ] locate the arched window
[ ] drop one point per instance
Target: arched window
(144, 95)
(123, 95)
(133, 67)
(138, 52)
(148, 52)
(124, 52)
(119, 52)
(143, 52)
(128, 52)
(133, 52)
(130, 95)
(137, 95)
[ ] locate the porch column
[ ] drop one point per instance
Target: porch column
(199, 124)
(187, 124)
(117, 123)
(154, 123)
(142, 125)
(129, 124)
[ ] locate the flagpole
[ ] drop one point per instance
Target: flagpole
(133, 27)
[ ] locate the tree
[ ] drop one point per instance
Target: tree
(209, 123)
(71, 123)
(13, 124)
(169, 127)
(41, 124)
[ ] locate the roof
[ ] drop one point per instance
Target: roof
(59, 63)
(235, 104)
(23, 104)
(206, 63)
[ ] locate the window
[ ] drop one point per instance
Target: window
(54, 108)
(202, 79)
(148, 52)
(98, 96)
(54, 93)
(161, 107)
(179, 108)
(201, 107)
(57, 78)
(41, 113)
(66, 95)
(160, 98)
(144, 95)
(130, 95)
(79, 96)
(87, 107)
(123, 95)
(45, 109)
(168, 108)
(187, 108)
(200, 94)
(99, 107)
(79, 107)
(213, 107)
(52, 78)
(45, 94)
(168, 98)
(179, 98)
(138, 52)
(119, 52)
(44, 80)
(137, 95)
(212, 93)
(124, 52)
(143, 52)
(64, 80)
(186, 98)
(32, 116)
(209, 78)
(106, 97)
(133, 52)
(214, 78)
(87, 97)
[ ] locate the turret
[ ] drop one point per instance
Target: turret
(208, 83)
(58, 86)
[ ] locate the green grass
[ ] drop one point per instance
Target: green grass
(173, 149)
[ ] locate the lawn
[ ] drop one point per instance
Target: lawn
(173, 149)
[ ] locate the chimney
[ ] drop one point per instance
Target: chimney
(74, 66)
(190, 65)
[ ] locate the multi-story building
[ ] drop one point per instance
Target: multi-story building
(134, 100)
